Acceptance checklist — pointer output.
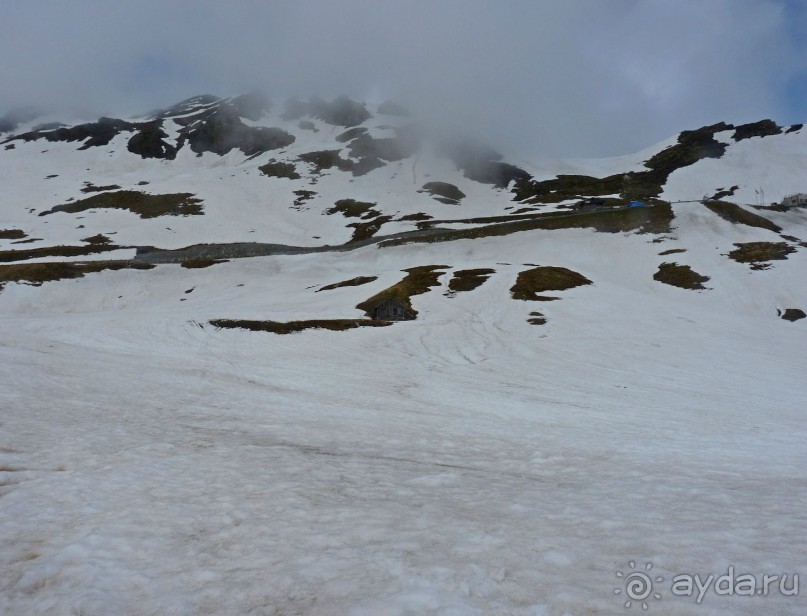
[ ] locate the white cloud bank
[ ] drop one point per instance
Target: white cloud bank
(548, 77)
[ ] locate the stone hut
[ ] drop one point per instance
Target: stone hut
(390, 309)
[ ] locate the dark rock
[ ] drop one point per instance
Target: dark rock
(793, 314)
(444, 190)
(763, 128)
(150, 142)
(223, 131)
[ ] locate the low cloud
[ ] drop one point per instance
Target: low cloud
(535, 78)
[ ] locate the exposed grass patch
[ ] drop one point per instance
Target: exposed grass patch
(8, 256)
(565, 187)
(531, 282)
(655, 219)
(751, 252)
(366, 230)
(277, 169)
(201, 263)
(351, 208)
(692, 146)
(12, 234)
(737, 215)
(680, 276)
(37, 273)
(418, 280)
(468, 280)
(759, 252)
(290, 327)
(353, 282)
(142, 204)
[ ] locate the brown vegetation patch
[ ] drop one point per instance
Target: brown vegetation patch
(353, 282)
(373, 220)
(142, 204)
(89, 187)
(680, 276)
(37, 273)
(655, 219)
(758, 252)
(366, 230)
(8, 256)
(98, 240)
(737, 215)
(468, 280)
(723, 192)
(537, 319)
(692, 146)
(531, 282)
(12, 234)
(201, 263)
(418, 280)
(290, 327)
(415, 217)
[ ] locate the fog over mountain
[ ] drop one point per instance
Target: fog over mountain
(572, 78)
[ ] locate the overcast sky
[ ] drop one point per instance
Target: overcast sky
(539, 77)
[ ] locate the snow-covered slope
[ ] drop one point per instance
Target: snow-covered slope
(464, 462)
